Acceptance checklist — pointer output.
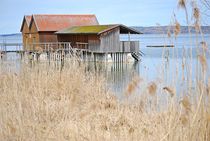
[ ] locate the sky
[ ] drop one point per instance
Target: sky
(127, 12)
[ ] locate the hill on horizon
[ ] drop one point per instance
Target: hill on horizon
(11, 34)
(165, 29)
(150, 30)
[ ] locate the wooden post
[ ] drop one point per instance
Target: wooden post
(69, 49)
(120, 57)
(117, 55)
(86, 53)
(129, 39)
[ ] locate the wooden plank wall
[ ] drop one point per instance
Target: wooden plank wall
(125, 46)
(132, 46)
(94, 45)
(47, 37)
(25, 34)
(110, 42)
(92, 40)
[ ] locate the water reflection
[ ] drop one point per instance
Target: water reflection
(165, 69)
(118, 75)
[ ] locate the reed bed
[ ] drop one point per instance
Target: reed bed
(45, 103)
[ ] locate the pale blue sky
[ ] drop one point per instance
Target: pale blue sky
(128, 12)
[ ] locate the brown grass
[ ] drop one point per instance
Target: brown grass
(182, 3)
(170, 90)
(177, 28)
(203, 62)
(42, 103)
(152, 88)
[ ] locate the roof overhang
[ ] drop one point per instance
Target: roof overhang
(123, 30)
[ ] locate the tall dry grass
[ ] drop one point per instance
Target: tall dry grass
(44, 103)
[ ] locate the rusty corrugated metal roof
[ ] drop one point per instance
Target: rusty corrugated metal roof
(58, 22)
(97, 29)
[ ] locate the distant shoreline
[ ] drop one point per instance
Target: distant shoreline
(166, 29)
(149, 30)
(12, 34)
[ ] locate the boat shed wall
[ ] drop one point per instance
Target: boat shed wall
(106, 42)
(33, 36)
(129, 46)
(91, 39)
(100, 38)
(25, 30)
(45, 37)
(110, 41)
(25, 34)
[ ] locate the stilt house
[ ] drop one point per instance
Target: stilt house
(38, 29)
(99, 38)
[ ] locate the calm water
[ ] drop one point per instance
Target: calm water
(158, 64)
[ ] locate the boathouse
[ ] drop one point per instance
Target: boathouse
(38, 29)
(101, 40)
(51, 34)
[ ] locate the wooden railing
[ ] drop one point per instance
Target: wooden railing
(48, 46)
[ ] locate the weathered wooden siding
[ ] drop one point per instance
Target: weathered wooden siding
(94, 42)
(110, 42)
(25, 33)
(47, 37)
(30, 36)
(94, 45)
(73, 38)
(132, 46)
(25, 28)
(34, 35)
(79, 38)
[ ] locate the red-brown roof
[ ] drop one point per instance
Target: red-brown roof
(58, 22)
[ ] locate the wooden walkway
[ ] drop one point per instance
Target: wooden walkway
(60, 50)
(4, 47)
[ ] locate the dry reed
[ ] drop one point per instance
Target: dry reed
(44, 103)
(152, 88)
(182, 3)
(170, 90)
(177, 28)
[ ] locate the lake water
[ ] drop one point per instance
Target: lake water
(158, 64)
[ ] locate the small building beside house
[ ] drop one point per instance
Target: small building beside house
(38, 29)
(99, 38)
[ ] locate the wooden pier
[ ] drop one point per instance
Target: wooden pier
(4, 47)
(63, 50)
